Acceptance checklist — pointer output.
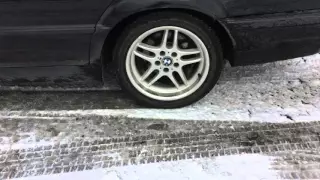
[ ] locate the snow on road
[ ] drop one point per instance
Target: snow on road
(240, 167)
(283, 91)
(280, 92)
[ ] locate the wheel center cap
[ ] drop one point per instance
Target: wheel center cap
(167, 61)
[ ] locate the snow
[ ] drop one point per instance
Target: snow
(7, 145)
(281, 92)
(236, 167)
(99, 174)
(270, 92)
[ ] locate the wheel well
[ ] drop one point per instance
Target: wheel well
(223, 35)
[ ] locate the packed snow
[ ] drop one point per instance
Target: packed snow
(283, 91)
(280, 92)
(240, 167)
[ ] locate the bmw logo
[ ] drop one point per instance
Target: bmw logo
(167, 61)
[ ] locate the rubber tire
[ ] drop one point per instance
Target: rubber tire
(145, 23)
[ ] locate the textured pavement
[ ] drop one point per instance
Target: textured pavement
(295, 146)
(271, 109)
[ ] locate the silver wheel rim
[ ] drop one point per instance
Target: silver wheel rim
(167, 63)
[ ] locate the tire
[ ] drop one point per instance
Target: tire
(187, 22)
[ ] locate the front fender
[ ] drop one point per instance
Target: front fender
(119, 10)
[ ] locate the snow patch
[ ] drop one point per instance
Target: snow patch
(174, 114)
(246, 166)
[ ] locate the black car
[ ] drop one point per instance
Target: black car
(168, 53)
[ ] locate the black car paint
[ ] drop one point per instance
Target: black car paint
(119, 10)
(73, 32)
(275, 37)
(47, 32)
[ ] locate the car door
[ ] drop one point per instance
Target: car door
(47, 32)
(282, 28)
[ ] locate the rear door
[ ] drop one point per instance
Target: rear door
(47, 32)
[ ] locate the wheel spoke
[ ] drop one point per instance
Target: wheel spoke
(148, 48)
(155, 79)
(190, 61)
(187, 52)
(150, 70)
(182, 76)
(175, 39)
(174, 81)
(144, 56)
(165, 39)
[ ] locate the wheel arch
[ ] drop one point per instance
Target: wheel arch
(112, 22)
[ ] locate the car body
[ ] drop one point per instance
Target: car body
(46, 33)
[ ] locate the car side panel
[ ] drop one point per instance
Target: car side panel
(274, 37)
(260, 7)
(270, 30)
(47, 32)
(262, 31)
(39, 46)
(19, 13)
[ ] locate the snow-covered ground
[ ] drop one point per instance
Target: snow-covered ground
(283, 91)
(280, 92)
(241, 167)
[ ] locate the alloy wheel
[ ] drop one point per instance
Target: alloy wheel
(167, 63)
